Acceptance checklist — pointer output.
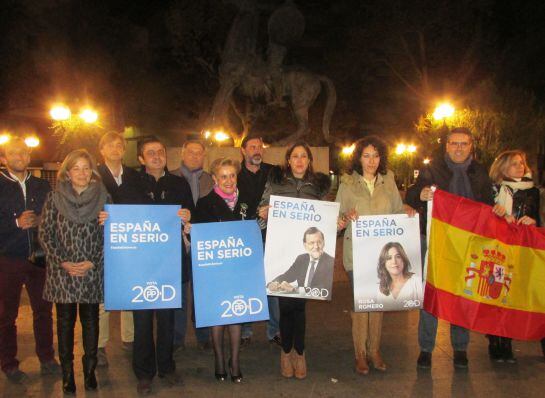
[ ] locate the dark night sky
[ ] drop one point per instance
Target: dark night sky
(141, 62)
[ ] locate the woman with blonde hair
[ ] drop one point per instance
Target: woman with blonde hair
(72, 238)
(514, 190)
(220, 205)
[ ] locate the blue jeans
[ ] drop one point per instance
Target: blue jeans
(427, 332)
(273, 324)
(180, 322)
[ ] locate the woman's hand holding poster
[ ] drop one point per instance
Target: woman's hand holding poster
(387, 263)
(300, 247)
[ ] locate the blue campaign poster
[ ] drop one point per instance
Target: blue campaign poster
(228, 273)
(142, 257)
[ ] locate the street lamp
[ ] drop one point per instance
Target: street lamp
(220, 136)
(443, 111)
(348, 150)
(426, 161)
(60, 113)
(88, 115)
(4, 138)
(32, 141)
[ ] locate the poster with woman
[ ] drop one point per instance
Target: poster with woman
(300, 247)
(387, 263)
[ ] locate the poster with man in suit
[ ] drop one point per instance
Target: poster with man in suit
(300, 248)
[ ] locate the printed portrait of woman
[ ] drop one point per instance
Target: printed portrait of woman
(396, 281)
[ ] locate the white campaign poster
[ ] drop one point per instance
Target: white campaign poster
(387, 263)
(300, 247)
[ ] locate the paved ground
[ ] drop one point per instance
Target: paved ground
(330, 360)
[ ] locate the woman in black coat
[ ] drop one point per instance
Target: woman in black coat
(221, 204)
(515, 191)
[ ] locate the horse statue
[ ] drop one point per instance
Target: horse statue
(244, 72)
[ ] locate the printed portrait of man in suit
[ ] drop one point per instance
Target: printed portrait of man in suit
(313, 269)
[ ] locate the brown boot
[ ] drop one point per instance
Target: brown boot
(286, 366)
(300, 365)
(377, 361)
(361, 364)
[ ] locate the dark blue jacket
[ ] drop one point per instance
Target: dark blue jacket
(14, 241)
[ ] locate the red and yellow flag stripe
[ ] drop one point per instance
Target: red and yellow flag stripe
(484, 274)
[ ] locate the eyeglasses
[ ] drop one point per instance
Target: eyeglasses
(462, 145)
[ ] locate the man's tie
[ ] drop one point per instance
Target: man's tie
(311, 272)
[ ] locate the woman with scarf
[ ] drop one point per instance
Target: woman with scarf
(72, 238)
(514, 190)
(222, 204)
(296, 179)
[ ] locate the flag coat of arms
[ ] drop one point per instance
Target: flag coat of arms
(483, 273)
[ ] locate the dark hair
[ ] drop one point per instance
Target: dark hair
(198, 142)
(383, 274)
(312, 231)
(460, 130)
(363, 143)
(287, 168)
(249, 138)
(147, 140)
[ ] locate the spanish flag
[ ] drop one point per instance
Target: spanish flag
(483, 273)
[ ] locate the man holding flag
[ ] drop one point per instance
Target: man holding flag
(459, 173)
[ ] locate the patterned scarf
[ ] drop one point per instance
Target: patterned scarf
(507, 189)
(230, 199)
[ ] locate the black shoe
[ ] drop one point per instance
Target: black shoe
(276, 340)
(235, 378)
(494, 349)
(221, 376)
(507, 350)
(50, 368)
(460, 360)
(424, 360)
(144, 387)
(68, 383)
(90, 381)
(17, 376)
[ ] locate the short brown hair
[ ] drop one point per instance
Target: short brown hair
(13, 140)
(221, 162)
(460, 130)
(501, 163)
(111, 137)
(71, 159)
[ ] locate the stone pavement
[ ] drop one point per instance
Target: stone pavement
(330, 362)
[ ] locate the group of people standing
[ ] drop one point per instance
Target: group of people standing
(69, 270)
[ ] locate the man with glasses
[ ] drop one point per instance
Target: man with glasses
(459, 173)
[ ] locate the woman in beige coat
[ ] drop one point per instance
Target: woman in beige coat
(368, 189)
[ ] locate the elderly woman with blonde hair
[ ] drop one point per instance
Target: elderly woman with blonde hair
(72, 238)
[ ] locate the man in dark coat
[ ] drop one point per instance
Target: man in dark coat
(155, 185)
(459, 173)
(21, 261)
(313, 269)
(251, 182)
(201, 184)
(114, 174)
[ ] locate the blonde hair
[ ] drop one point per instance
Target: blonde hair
(222, 162)
(498, 169)
(111, 137)
(71, 159)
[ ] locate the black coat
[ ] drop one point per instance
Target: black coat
(525, 203)
(130, 176)
(14, 241)
(212, 208)
(437, 173)
(168, 190)
(251, 186)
